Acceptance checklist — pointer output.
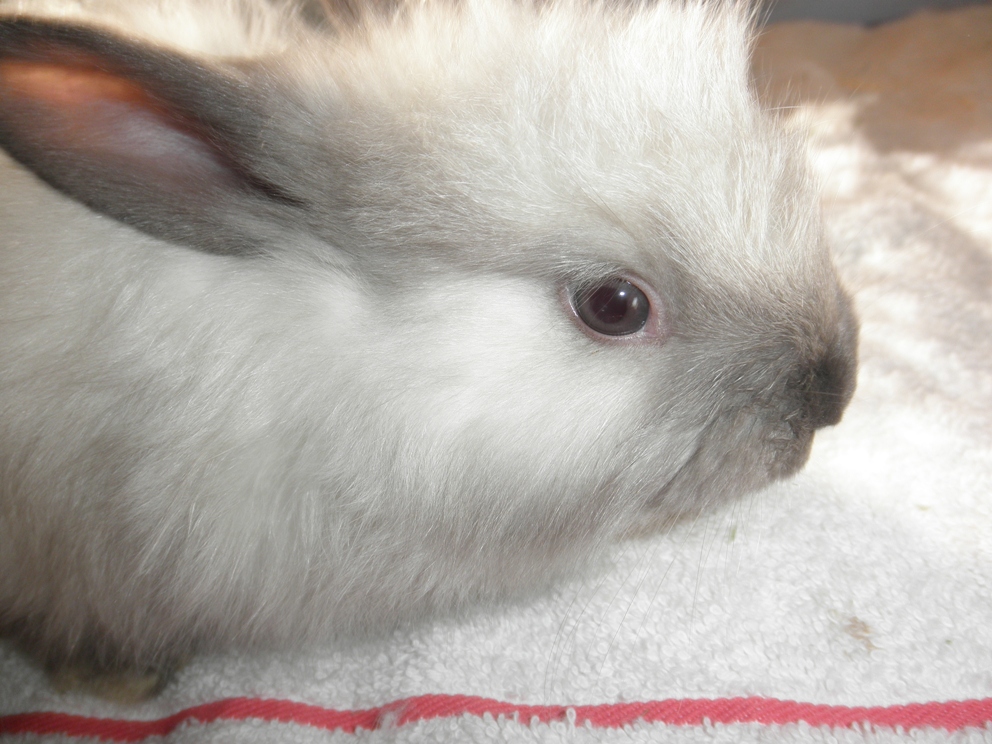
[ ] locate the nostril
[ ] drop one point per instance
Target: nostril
(827, 387)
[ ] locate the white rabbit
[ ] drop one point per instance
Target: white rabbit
(311, 328)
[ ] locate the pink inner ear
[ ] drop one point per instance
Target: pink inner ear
(67, 87)
(109, 120)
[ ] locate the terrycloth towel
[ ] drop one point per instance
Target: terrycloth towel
(864, 583)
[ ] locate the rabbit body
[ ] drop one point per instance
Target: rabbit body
(300, 360)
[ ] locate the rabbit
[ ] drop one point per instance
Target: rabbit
(319, 323)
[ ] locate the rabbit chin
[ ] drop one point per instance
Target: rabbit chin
(719, 470)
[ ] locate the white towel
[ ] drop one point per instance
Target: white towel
(865, 582)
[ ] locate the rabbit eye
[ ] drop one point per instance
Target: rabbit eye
(614, 308)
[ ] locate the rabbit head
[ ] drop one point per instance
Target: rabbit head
(381, 319)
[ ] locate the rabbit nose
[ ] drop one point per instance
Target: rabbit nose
(826, 388)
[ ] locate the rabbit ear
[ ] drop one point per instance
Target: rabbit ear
(167, 144)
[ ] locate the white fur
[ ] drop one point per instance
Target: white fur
(393, 414)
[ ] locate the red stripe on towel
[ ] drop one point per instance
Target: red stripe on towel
(950, 716)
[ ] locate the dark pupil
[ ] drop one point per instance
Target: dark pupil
(616, 308)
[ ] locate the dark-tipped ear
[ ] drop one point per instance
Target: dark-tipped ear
(168, 144)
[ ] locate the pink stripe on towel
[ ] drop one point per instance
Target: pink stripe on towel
(950, 716)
